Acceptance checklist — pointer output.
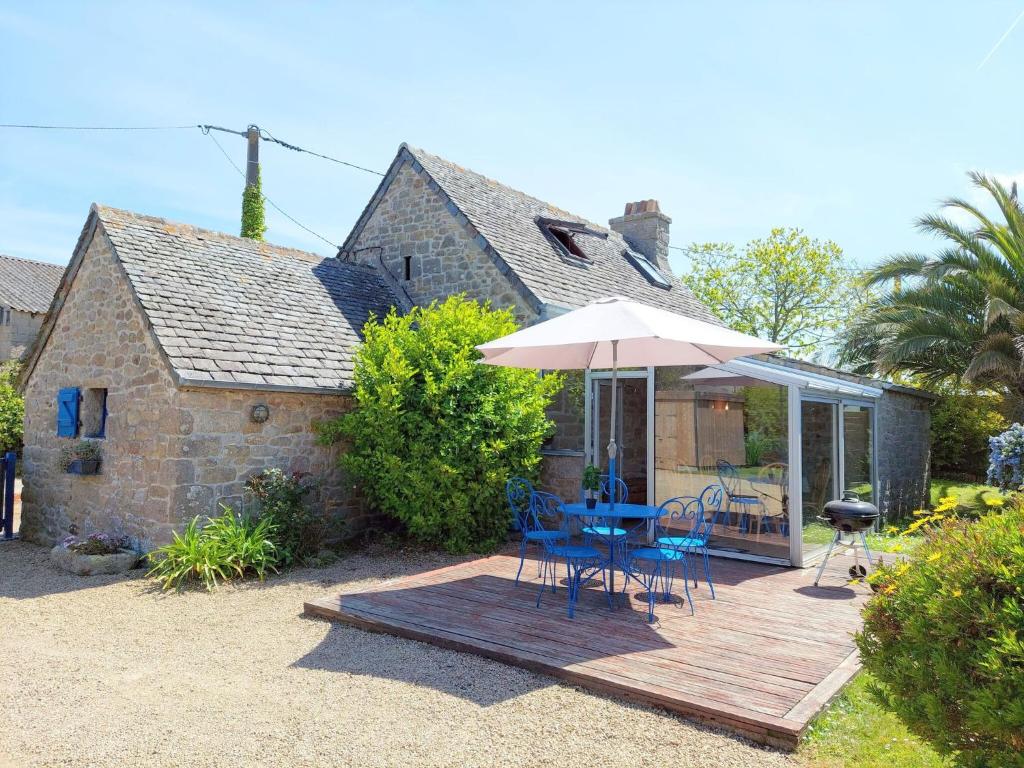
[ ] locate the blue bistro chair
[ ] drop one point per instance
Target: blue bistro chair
(701, 527)
(749, 504)
(519, 492)
(654, 567)
(582, 562)
(602, 527)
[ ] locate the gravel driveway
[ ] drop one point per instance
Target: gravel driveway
(107, 671)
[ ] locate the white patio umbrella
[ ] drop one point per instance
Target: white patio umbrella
(614, 332)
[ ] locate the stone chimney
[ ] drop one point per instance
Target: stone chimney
(645, 228)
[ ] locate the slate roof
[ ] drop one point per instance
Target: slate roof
(28, 285)
(506, 220)
(228, 311)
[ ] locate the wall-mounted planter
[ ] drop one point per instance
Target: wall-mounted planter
(84, 467)
(89, 565)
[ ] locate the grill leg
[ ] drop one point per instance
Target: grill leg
(867, 552)
(821, 568)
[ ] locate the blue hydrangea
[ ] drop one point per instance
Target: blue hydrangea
(1004, 459)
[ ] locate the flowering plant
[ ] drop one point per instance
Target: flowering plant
(1004, 462)
(95, 544)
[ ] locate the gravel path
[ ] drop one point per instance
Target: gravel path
(107, 671)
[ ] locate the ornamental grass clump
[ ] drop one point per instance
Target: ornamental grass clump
(1004, 462)
(434, 434)
(228, 547)
(944, 637)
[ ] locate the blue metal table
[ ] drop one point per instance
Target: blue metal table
(611, 517)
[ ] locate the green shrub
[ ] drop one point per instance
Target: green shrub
(298, 530)
(944, 636)
(227, 547)
(961, 425)
(434, 434)
(12, 408)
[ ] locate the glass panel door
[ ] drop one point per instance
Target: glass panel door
(819, 449)
(630, 432)
(858, 451)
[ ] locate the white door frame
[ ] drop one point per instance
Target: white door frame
(592, 418)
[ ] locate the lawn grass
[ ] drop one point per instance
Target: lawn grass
(970, 496)
(854, 732)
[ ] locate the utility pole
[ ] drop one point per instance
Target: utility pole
(252, 166)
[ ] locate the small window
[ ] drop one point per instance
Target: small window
(648, 270)
(408, 267)
(94, 412)
(563, 235)
(565, 239)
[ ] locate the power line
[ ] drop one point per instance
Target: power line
(97, 127)
(267, 136)
(270, 202)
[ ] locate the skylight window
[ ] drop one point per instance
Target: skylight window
(563, 235)
(648, 270)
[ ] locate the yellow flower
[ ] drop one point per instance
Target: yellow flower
(995, 501)
(934, 556)
(920, 512)
(948, 500)
(957, 592)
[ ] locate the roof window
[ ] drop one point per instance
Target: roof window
(563, 235)
(648, 270)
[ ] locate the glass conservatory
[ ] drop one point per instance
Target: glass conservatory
(781, 440)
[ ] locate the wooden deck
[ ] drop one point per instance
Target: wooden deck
(762, 659)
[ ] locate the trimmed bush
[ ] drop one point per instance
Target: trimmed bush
(961, 425)
(12, 408)
(227, 547)
(944, 636)
(434, 434)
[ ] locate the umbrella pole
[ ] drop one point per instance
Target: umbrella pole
(612, 447)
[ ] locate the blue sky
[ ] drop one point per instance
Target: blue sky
(848, 119)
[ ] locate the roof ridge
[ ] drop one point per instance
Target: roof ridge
(103, 211)
(33, 261)
(462, 169)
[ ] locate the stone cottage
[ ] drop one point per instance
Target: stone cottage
(194, 359)
(170, 338)
(26, 290)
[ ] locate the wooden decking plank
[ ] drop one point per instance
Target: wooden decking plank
(564, 625)
(763, 727)
(653, 667)
(762, 659)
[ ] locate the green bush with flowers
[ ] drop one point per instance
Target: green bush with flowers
(944, 636)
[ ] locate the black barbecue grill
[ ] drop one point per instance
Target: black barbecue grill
(849, 515)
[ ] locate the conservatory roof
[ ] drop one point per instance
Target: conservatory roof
(762, 370)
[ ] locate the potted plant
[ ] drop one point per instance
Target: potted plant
(81, 458)
(93, 554)
(591, 485)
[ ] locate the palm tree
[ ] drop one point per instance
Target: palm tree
(958, 314)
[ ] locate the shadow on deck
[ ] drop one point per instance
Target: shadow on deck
(761, 659)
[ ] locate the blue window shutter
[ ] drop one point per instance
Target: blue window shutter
(67, 412)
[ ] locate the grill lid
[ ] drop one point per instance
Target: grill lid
(850, 506)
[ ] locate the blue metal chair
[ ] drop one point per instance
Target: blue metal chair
(603, 528)
(519, 492)
(651, 565)
(701, 528)
(582, 562)
(750, 504)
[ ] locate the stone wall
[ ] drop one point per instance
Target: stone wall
(17, 332)
(904, 452)
(168, 454)
(412, 222)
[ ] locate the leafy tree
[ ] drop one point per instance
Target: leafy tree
(787, 287)
(254, 221)
(434, 435)
(962, 422)
(958, 314)
(944, 636)
(12, 408)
